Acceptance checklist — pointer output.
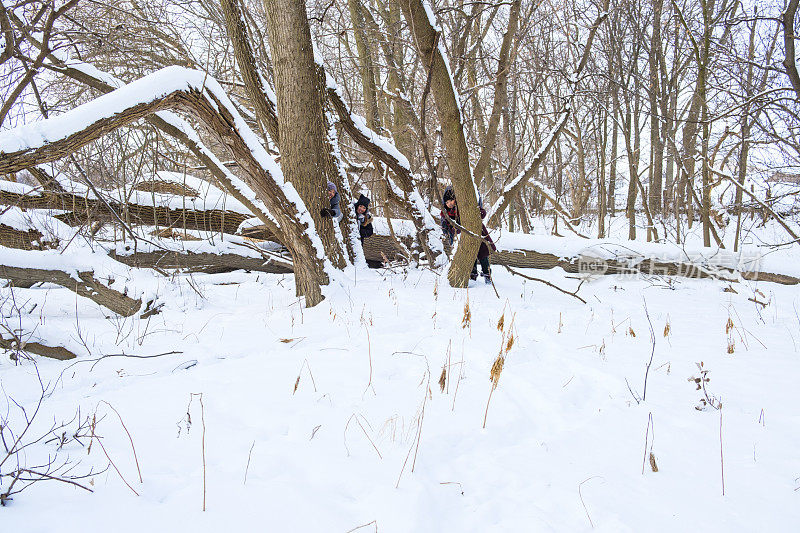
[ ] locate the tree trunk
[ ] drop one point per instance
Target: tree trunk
(366, 67)
(656, 142)
(305, 155)
(431, 54)
(500, 93)
(85, 285)
(253, 82)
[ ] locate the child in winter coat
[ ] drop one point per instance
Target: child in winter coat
(334, 211)
(449, 199)
(363, 217)
(451, 208)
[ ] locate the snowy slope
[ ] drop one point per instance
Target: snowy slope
(564, 442)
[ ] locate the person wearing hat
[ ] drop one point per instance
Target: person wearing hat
(451, 208)
(333, 211)
(363, 217)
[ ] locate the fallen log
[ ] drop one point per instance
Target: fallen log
(80, 210)
(383, 247)
(595, 266)
(53, 352)
(30, 239)
(208, 263)
(86, 285)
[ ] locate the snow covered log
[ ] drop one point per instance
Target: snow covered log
(84, 284)
(208, 263)
(80, 210)
(30, 239)
(596, 266)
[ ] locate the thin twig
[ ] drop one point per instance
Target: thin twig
(374, 522)
(246, 468)
(584, 503)
(369, 354)
(135, 457)
(652, 351)
(721, 458)
(203, 442)
(54, 478)
(646, 436)
(100, 442)
(97, 360)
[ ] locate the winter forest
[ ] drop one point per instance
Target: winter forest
(414, 265)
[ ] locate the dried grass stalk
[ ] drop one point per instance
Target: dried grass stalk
(497, 369)
(466, 320)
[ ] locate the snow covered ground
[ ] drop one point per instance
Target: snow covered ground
(369, 437)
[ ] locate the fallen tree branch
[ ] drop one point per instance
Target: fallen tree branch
(85, 285)
(204, 99)
(556, 287)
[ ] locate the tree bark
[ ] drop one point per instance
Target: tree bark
(305, 154)
(202, 262)
(789, 61)
(456, 154)
(36, 348)
(248, 69)
(366, 66)
(654, 91)
(81, 210)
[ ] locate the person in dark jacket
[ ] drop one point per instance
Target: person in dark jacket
(333, 211)
(363, 217)
(451, 208)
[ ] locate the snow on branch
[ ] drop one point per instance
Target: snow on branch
(170, 88)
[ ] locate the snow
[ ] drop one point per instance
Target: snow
(145, 90)
(19, 188)
(564, 437)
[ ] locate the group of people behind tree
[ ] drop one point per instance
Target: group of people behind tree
(450, 221)
(361, 207)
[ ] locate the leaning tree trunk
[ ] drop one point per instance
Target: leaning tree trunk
(444, 93)
(205, 101)
(500, 96)
(366, 66)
